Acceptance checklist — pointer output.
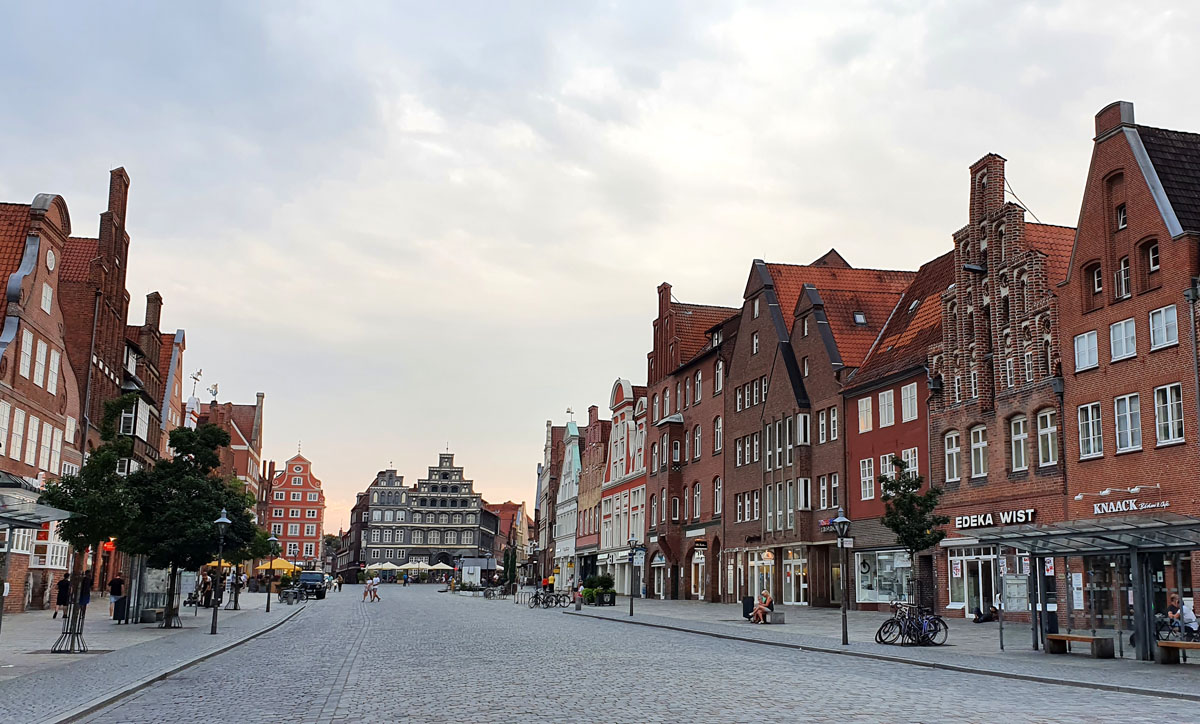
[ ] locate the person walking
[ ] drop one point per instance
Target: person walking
(375, 589)
(85, 590)
(206, 589)
(340, 581)
(367, 588)
(116, 589)
(62, 597)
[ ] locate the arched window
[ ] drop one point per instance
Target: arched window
(387, 516)
(374, 497)
(666, 401)
(418, 537)
(696, 500)
(675, 508)
(417, 518)
(1018, 439)
(1121, 279)
(717, 434)
(699, 387)
(663, 497)
(718, 376)
(653, 509)
(451, 538)
(696, 443)
(654, 456)
(655, 403)
(717, 496)
(1001, 242)
(457, 519)
(435, 537)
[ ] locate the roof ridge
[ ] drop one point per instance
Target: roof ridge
(1141, 126)
(839, 268)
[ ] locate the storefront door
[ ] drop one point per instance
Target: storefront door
(795, 579)
(762, 574)
(698, 575)
(835, 583)
(980, 584)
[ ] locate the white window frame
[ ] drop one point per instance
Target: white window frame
(887, 408)
(979, 451)
(1124, 332)
(833, 423)
(26, 352)
(1127, 412)
(908, 402)
(1086, 354)
(865, 414)
(803, 430)
(1047, 421)
(1168, 414)
(1091, 431)
(1168, 334)
(754, 343)
(1019, 438)
(39, 364)
(866, 478)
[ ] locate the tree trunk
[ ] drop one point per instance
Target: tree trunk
(70, 640)
(170, 614)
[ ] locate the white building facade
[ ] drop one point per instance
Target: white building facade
(623, 495)
(566, 510)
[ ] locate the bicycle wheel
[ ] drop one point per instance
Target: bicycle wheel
(941, 632)
(888, 632)
(534, 600)
(1165, 631)
(549, 601)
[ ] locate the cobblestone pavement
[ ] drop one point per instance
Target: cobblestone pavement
(420, 655)
(57, 684)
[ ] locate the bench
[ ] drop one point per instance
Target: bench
(1168, 651)
(1102, 646)
(150, 615)
(773, 617)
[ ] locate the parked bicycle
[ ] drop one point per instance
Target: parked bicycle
(1169, 629)
(912, 625)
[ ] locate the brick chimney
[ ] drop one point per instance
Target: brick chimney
(118, 194)
(593, 415)
(1115, 115)
(153, 310)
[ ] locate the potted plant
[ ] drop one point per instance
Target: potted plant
(605, 596)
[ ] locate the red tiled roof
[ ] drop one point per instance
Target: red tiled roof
(904, 341)
(14, 222)
(77, 259)
(243, 417)
(790, 279)
(855, 340)
(692, 322)
(1055, 242)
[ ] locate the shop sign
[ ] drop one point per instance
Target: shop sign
(701, 545)
(985, 520)
(639, 559)
(556, 571)
(1128, 505)
(825, 525)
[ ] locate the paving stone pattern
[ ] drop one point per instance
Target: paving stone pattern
(421, 655)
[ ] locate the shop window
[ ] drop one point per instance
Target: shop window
(883, 576)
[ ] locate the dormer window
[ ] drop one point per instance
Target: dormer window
(913, 307)
(755, 308)
(1121, 220)
(860, 318)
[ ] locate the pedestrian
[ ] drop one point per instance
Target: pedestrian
(339, 583)
(366, 589)
(85, 591)
(116, 588)
(406, 580)
(375, 589)
(545, 584)
(206, 589)
(550, 580)
(63, 596)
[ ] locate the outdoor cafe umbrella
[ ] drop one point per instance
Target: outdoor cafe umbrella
(278, 564)
(440, 567)
(388, 566)
(412, 566)
(222, 563)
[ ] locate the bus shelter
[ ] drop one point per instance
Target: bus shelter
(1139, 542)
(21, 512)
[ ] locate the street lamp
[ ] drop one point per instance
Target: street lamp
(841, 525)
(271, 570)
(222, 526)
(633, 544)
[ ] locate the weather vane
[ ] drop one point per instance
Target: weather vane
(196, 378)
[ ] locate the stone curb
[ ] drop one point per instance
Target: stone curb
(105, 700)
(1118, 688)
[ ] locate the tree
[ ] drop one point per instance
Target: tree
(178, 500)
(98, 500)
(909, 513)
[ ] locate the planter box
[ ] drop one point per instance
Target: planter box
(606, 599)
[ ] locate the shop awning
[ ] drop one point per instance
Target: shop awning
(21, 512)
(1098, 536)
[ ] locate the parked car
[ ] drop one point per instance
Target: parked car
(313, 583)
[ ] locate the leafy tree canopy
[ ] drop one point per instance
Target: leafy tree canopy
(910, 513)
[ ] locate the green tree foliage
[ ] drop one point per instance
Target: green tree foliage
(909, 513)
(97, 496)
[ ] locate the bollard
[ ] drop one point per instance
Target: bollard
(578, 601)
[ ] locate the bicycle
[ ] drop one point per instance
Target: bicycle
(539, 598)
(912, 625)
(1169, 629)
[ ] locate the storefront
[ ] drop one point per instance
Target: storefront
(761, 565)
(969, 574)
(661, 575)
(882, 576)
(697, 573)
(795, 577)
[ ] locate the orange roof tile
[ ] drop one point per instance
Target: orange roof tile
(907, 336)
(789, 279)
(14, 222)
(692, 322)
(77, 259)
(1055, 242)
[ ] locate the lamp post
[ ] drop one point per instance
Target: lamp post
(271, 570)
(632, 549)
(222, 526)
(841, 525)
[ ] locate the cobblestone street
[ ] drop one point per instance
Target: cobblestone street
(420, 655)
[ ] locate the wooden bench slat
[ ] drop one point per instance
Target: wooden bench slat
(1074, 637)
(1180, 644)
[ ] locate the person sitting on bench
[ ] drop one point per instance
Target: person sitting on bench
(1182, 614)
(765, 603)
(981, 617)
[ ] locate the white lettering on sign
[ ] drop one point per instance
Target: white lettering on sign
(1126, 506)
(983, 520)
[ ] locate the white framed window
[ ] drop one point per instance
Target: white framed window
(886, 469)
(277, 529)
(297, 480)
(1097, 280)
(866, 478)
(1122, 339)
(699, 386)
(18, 434)
(311, 529)
(280, 495)
(912, 464)
(719, 377)
(804, 365)
(294, 529)
(26, 352)
(717, 506)
(1029, 365)
(739, 508)
(833, 490)
(1122, 219)
(309, 550)
(754, 307)
(1128, 411)
(1152, 257)
(791, 442)
(974, 384)
(696, 443)
(39, 367)
(277, 512)
(1008, 372)
(756, 391)
(297, 495)
(1091, 440)
(1019, 436)
(803, 433)
(908, 402)
(803, 496)
(1047, 438)
(1168, 414)
(979, 449)
(313, 497)
(1164, 329)
(312, 512)
(823, 491)
(738, 447)
(756, 505)
(1121, 278)
(865, 414)
(31, 439)
(770, 508)
(778, 506)
(958, 388)
(718, 434)
(295, 513)
(833, 424)
(696, 501)
(1086, 356)
(5, 412)
(887, 408)
(52, 375)
(756, 447)
(739, 399)
(821, 435)
(754, 343)
(44, 454)
(47, 297)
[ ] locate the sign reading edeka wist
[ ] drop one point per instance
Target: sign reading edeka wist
(984, 520)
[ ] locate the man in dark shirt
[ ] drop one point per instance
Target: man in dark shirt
(116, 588)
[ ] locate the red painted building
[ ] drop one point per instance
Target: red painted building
(297, 511)
(886, 418)
(594, 462)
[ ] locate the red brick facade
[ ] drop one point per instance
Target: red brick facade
(297, 511)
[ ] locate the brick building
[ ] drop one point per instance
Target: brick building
(887, 417)
(594, 457)
(802, 330)
(39, 393)
(297, 511)
(1128, 351)
(141, 377)
(243, 458)
(995, 412)
(170, 366)
(685, 373)
(547, 497)
(351, 554)
(623, 494)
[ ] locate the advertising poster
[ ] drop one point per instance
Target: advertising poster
(1049, 566)
(957, 569)
(1077, 591)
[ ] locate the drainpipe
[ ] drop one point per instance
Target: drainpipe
(1192, 295)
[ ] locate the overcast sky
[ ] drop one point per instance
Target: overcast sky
(413, 224)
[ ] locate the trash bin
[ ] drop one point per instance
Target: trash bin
(747, 606)
(119, 608)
